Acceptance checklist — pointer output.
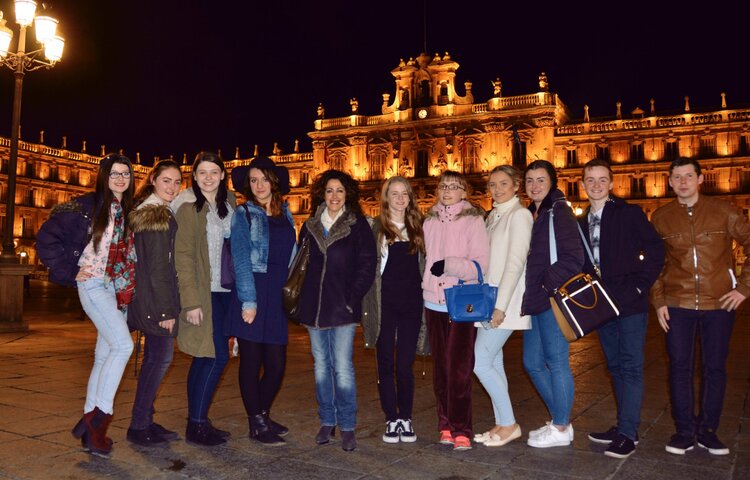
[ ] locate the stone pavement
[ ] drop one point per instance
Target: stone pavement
(43, 374)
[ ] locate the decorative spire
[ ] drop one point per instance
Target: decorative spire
(138, 157)
(83, 148)
(355, 104)
(687, 103)
(184, 158)
(236, 152)
(619, 109)
(321, 111)
(65, 141)
(586, 114)
(255, 150)
(41, 136)
(653, 107)
(276, 150)
(296, 145)
(723, 100)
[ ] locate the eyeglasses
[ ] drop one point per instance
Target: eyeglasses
(450, 186)
(114, 175)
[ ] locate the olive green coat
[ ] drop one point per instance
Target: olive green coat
(194, 273)
(371, 304)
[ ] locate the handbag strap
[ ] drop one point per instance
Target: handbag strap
(588, 250)
(480, 278)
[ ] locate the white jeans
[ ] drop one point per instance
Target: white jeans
(488, 366)
(114, 344)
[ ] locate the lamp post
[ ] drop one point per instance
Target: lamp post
(20, 61)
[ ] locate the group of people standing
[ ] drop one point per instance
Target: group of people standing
(125, 252)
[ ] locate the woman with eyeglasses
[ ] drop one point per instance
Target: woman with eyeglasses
(204, 217)
(156, 306)
(106, 283)
(455, 238)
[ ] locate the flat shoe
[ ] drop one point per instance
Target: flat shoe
(482, 437)
(497, 441)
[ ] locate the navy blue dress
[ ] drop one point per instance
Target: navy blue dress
(270, 324)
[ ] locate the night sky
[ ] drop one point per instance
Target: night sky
(164, 77)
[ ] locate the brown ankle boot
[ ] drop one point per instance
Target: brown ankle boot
(96, 432)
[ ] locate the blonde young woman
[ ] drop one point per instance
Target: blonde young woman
(509, 228)
(393, 314)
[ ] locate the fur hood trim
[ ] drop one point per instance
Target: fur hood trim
(471, 211)
(150, 218)
(339, 230)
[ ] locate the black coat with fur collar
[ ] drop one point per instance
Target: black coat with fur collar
(157, 295)
(340, 271)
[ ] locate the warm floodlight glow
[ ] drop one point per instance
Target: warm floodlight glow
(53, 49)
(25, 10)
(6, 35)
(46, 27)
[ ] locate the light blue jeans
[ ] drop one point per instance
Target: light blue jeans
(113, 343)
(335, 387)
(488, 366)
(545, 358)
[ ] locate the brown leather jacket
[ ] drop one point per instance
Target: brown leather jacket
(699, 267)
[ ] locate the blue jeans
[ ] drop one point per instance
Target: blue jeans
(488, 366)
(113, 343)
(157, 356)
(335, 387)
(622, 342)
(545, 358)
(715, 329)
(205, 372)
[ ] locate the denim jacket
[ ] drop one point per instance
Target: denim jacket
(250, 248)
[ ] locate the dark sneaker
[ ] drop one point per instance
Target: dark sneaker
(406, 431)
(679, 444)
(621, 447)
(391, 432)
(710, 442)
(608, 437)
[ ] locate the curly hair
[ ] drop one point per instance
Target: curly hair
(318, 191)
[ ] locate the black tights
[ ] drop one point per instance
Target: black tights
(258, 392)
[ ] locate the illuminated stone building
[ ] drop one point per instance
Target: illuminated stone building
(428, 123)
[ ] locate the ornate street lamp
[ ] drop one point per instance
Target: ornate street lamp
(11, 271)
(21, 62)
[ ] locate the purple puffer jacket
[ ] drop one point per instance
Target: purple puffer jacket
(541, 277)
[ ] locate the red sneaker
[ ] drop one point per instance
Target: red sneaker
(445, 437)
(461, 442)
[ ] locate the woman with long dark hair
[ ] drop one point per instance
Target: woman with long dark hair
(339, 274)
(545, 350)
(263, 240)
(204, 217)
(393, 321)
(106, 282)
(156, 306)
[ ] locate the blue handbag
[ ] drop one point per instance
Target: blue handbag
(471, 302)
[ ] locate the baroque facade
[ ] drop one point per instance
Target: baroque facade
(429, 124)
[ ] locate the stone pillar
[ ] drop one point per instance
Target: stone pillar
(11, 297)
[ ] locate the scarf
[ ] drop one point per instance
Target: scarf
(121, 260)
(327, 220)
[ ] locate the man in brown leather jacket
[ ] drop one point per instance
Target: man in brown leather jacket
(697, 294)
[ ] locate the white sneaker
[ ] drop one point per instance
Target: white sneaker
(391, 434)
(406, 431)
(551, 437)
(534, 433)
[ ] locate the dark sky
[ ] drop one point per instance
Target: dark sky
(165, 77)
